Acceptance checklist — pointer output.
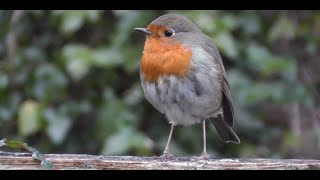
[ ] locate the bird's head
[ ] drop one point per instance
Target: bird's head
(165, 52)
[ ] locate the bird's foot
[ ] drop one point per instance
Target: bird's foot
(166, 156)
(204, 156)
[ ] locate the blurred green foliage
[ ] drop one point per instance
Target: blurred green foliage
(69, 82)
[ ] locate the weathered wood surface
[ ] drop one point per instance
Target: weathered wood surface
(82, 161)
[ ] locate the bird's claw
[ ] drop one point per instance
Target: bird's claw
(204, 156)
(166, 157)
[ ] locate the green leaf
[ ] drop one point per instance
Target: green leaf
(216, 23)
(250, 22)
(9, 105)
(35, 154)
(259, 92)
(239, 83)
(50, 82)
(282, 28)
(206, 22)
(78, 59)
(124, 26)
(93, 15)
(262, 61)
(73, 20)
(37, 13)
(77, 68)
(3, 81)
(117, 143)
(276, 64)
(58, 125)
(13, 144)
(256, 55)
(299, 93)
(114, 114)
(228, 22)
(125, 140)
(132, 59)
(107, 57)
(34, 54)
(290, 140)
(134, 95)
(248, 151)
(28, 118)
(227, 44)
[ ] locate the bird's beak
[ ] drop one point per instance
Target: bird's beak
(143, 30)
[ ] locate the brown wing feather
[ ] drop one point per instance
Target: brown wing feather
(227, 104)
(226, 99)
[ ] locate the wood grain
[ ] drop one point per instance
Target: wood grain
(16, 161)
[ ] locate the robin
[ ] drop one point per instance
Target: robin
(183, 77)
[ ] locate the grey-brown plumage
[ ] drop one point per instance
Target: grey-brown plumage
(224, 124)
(204, 93)
(182, 26)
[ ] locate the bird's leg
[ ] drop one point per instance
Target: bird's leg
(166, 155)
(204, 154)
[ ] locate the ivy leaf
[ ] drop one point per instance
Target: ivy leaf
(125, 140)
(282, 28)
(28, 118)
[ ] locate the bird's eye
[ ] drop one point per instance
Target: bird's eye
(168, 33)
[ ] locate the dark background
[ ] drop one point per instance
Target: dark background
(69, 83)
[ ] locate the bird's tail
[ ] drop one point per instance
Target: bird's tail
(225, 132)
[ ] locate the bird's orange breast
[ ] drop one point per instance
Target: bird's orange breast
(162, 56)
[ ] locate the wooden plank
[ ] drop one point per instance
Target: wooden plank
(82, 161)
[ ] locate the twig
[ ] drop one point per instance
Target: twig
(35, 154)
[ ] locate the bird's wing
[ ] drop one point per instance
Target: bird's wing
(227, 104)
